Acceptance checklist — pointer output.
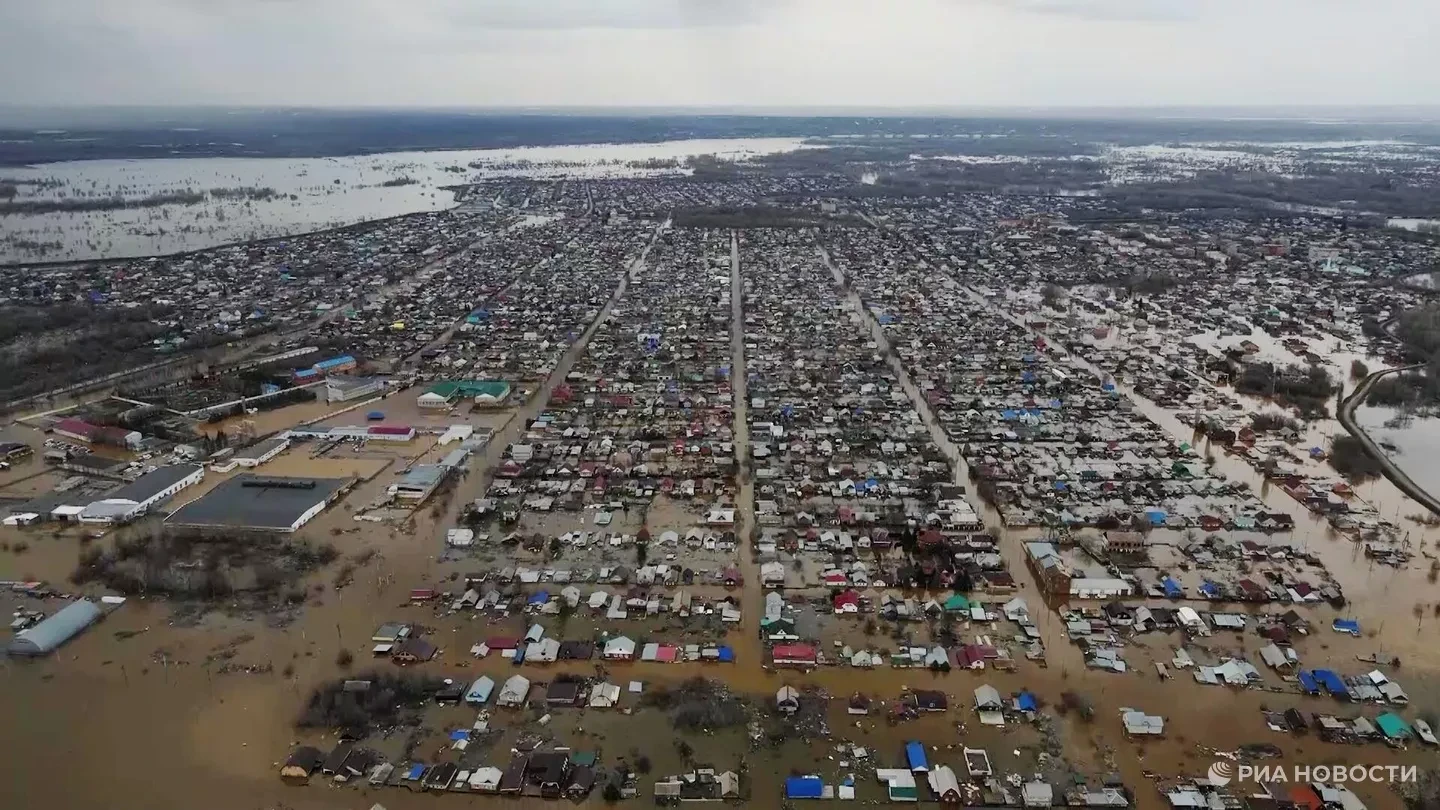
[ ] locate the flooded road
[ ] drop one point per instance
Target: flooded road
(1380, 597)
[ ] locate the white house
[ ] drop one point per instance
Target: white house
(514, 692)
(619, 648)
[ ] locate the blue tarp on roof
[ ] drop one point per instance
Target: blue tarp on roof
(416, 771)
(1332, 682)
(804, 787)
(460, 734)
(1009, 416)
(915, 755)
(1346, 626)
(1172, 588)
(1156, 516)
(1308, 683)
(1059, 486)
(1210, 589)
(727, 654)
(540, 598)
(1027, 376)
(1025, 702)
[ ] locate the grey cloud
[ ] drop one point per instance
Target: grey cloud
(1108, 10)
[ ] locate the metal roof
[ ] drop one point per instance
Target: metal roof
(247, 502)
(49, 634)
(148, 485)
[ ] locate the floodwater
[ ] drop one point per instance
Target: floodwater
(143, 716)
(312, 193)
(1416, 441)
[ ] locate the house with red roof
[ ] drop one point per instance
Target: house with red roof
(793, 655)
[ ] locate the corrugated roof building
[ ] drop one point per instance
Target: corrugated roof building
(45, 637)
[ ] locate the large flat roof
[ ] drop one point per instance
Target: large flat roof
(265, 502)
(147, 485)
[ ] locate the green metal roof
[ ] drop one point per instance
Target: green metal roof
(1393, 725)
(471, 388)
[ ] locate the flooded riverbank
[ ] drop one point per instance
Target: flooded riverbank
(1412, 441)
(299, 195)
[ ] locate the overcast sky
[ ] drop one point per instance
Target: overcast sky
(720, 52)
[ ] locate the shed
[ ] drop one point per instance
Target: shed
(915, 756)
(804, 787)
(302, 762)
(901, 784)
(479, 692)
(45, 637)
(1393, 726)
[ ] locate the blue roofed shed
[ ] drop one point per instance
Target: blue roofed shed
(804, 787)
(1332, 683)
(915, 755)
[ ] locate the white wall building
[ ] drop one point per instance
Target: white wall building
(133, 499)
(342, 388)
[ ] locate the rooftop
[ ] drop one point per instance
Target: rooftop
(257, 502)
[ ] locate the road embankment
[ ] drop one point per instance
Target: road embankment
(1392, 471)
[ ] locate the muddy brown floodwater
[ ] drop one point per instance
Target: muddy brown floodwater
(129, 714)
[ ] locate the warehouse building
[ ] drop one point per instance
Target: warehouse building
(344, 388)
(135, 498)
(419, 482)
(252, 502)
(47, 636)
(82, 431)
(484, 392)
(261, 452)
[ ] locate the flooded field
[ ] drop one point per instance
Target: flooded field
(305, 194)
(1413, 441)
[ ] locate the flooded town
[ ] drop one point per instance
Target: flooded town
(892, 470)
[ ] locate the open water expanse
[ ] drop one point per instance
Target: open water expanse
(1415, 439)
(309, 193)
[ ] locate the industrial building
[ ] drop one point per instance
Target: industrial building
(324, 368)
(136, 497)
(261, 452)
(82, 431)
(484, 392)
(419, 482)
(374, 433)
(344, 388)
(260, 503)
(61, 626)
